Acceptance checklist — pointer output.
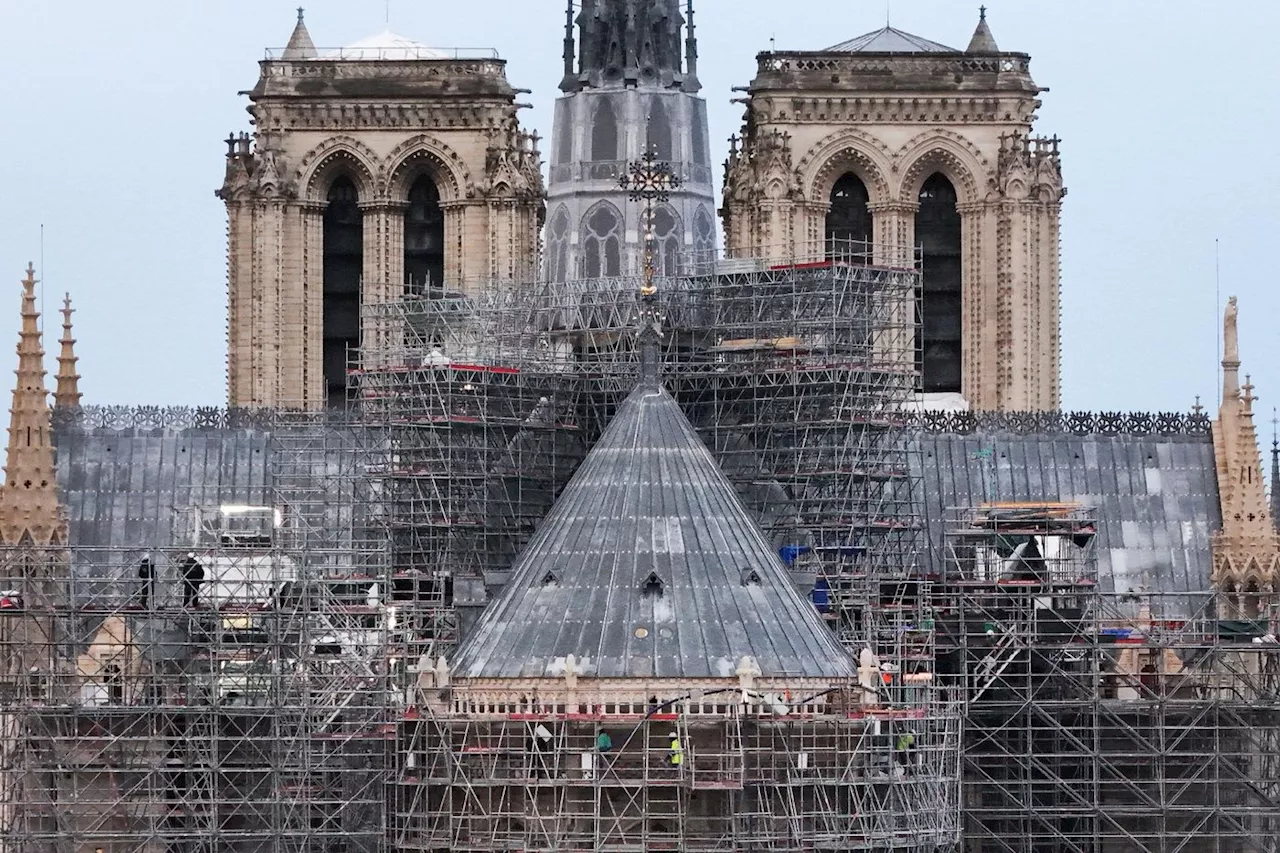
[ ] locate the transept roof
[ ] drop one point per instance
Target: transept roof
(649, 566)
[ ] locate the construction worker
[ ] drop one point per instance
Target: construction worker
(905, 747)
(675, 756)
(146, 574)
(604, 743)
(192, 577)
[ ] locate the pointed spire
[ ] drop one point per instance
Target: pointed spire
(67, 394)
(300, 45)
(1247, 549)
(1275, 469)
(692, 84)
(982, 41)
(28, 502)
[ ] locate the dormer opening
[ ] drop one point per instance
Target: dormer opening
(653, 585)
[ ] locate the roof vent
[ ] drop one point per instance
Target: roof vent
(751, 576)
(652, 584)
(549, 578)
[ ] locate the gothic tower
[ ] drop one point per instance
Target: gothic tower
(374, 170)
(633, 88)
(906, 144)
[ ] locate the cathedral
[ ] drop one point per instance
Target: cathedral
(576, 505)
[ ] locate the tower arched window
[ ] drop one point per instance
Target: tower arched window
(602, 242)
(659, 134)
(604, 133)
(667, 241)
(848, 220)
(704, 240)
(343, 260)
(938, 235)
(558, 245)
(423, 238)
(700, 154)
(564, 135)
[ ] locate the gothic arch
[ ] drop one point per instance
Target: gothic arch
(846, 151)
(337, 155)
(600, 237)
(948, 153)
(425, 154)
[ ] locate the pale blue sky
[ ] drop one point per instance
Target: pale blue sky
(1168, 112)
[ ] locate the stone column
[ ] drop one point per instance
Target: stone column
(383, 274)
(980, 354)
(311, 391)
(240, 287)
(893, 226)
(459, 254)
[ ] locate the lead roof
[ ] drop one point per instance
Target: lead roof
(649, 566)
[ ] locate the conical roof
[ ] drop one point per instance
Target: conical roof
(300, 45)
(649, 566)
(982, 41)
(889, 40)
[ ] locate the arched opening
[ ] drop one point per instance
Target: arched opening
(659, 130)
(604, 133)
(938, 235)
(423, 238)
(558, 246)
(700, 150)
(666, 238)
(704, 241)
(602, 242)
(343, 261)
(848, 220)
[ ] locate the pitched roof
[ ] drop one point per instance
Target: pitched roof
(649, 566)
(890, 40)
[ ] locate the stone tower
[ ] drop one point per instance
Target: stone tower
(1246, 552)
(896, 141)
(374, 170)
(633, 87)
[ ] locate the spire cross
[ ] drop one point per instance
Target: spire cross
(982, 13)
(649, 181)
(300, 11)
(1275, 428)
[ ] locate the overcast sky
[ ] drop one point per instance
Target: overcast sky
(1168, 113)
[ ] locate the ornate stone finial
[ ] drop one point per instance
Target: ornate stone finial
(67, 393)
(29, 509)
(300, 11)
(1197, 409)
(1248, 397)
(982, 13)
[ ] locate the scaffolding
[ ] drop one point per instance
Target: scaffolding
(750, 776)
(226, 689)
(1096, 720)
